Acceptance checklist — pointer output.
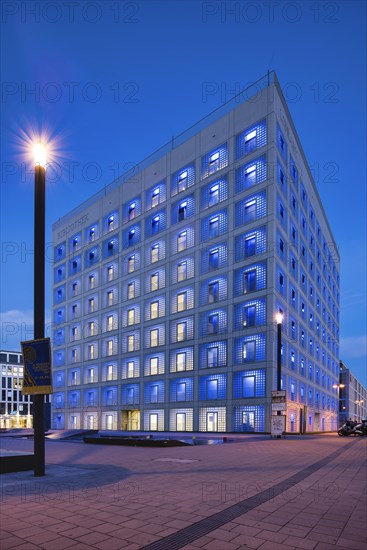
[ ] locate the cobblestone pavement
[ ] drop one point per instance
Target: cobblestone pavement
(305, 492)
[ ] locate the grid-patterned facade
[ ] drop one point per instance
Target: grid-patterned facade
(166, 287)
(15, 408)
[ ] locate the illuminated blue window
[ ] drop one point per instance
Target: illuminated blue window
(59, 337)
(75, 265)
(131, 209)
(213, 257)
(183, 209)
(249, 419)
(214, 193)
(75, 243)
(60, 252)
(155, 223)
(214, 160)
(251, 139)
(214, 225)
(213, 322)
(131, 236)
(59, 359)
(59, 273)
(249, 349)
(130, 394)
(304, 198)
(281, 178)
(156, 195)
(110, 248)
(250, 174)
(212, 387)
(154, 392)
(59, 294)
(91, 256)
(92, 233)
(111, 222)
(250, 243)
(250, 278)
(250, 314)
(59, 315)
(181, 389)
(250, 209)
(293, 172)
(183, 179)
(249, 384)
(281, 143)
(213, 290)
(213, 354)
(109, 395)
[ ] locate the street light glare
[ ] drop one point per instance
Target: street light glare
(40, 154)
(279, 318)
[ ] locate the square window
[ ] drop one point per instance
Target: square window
(182, 211)
(250, 210)
(154, 337)
(155, 197)
(131, 263)
(212, 357)
(214, 162)
(153, 394)
(249, 316)
(181, 331)
(214, 258)
(250, 175)
(249, 351)
(249, 281)
(182, 301)
(153, 365)
(248, 386)
(154, 253)
(212, 389)
(154, 281)
(182, 271)
(154, 310)
(182, 241)
(182, 181)
(250, 246)
(181, 391)
(214, 227)
(213, 292)
(213, 323)
(181, 361)
(214, 195)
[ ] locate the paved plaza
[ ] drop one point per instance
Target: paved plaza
(252, 492)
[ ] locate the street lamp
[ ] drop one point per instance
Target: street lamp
(339, 386)
(279, 320)
(40, 158)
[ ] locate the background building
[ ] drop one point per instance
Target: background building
(15, 408)
(166, 285)
(352, 397)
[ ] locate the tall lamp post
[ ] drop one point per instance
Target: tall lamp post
(279, 320)
(39, 298)
(339, 387)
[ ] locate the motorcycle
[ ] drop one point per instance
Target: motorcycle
(348, 428)
(361, 428)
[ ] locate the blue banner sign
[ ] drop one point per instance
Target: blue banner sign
(37, 367)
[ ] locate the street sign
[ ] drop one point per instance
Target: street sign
(278, 424)
(37, 367)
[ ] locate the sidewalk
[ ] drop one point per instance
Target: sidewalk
(300, 492)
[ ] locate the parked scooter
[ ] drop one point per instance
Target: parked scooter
(347, 428)
(361, 428)
(350, 427)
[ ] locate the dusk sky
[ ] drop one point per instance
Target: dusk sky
(110, 82)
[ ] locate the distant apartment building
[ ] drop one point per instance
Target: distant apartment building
(352, 396)
(15, 408)
(166, 285)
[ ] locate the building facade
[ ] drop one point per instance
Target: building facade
(166, 285)
(15, 408)
(352, 397)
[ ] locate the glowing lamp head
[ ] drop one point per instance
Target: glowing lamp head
(40, 154)
(279, 318)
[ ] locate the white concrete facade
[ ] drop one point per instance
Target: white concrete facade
(166, 286)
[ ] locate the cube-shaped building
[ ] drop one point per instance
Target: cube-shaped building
(166, 285)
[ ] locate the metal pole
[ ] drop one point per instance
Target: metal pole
(39, 310)
(279, 363)
(279, 358)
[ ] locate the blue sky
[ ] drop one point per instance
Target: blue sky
(111, 82)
